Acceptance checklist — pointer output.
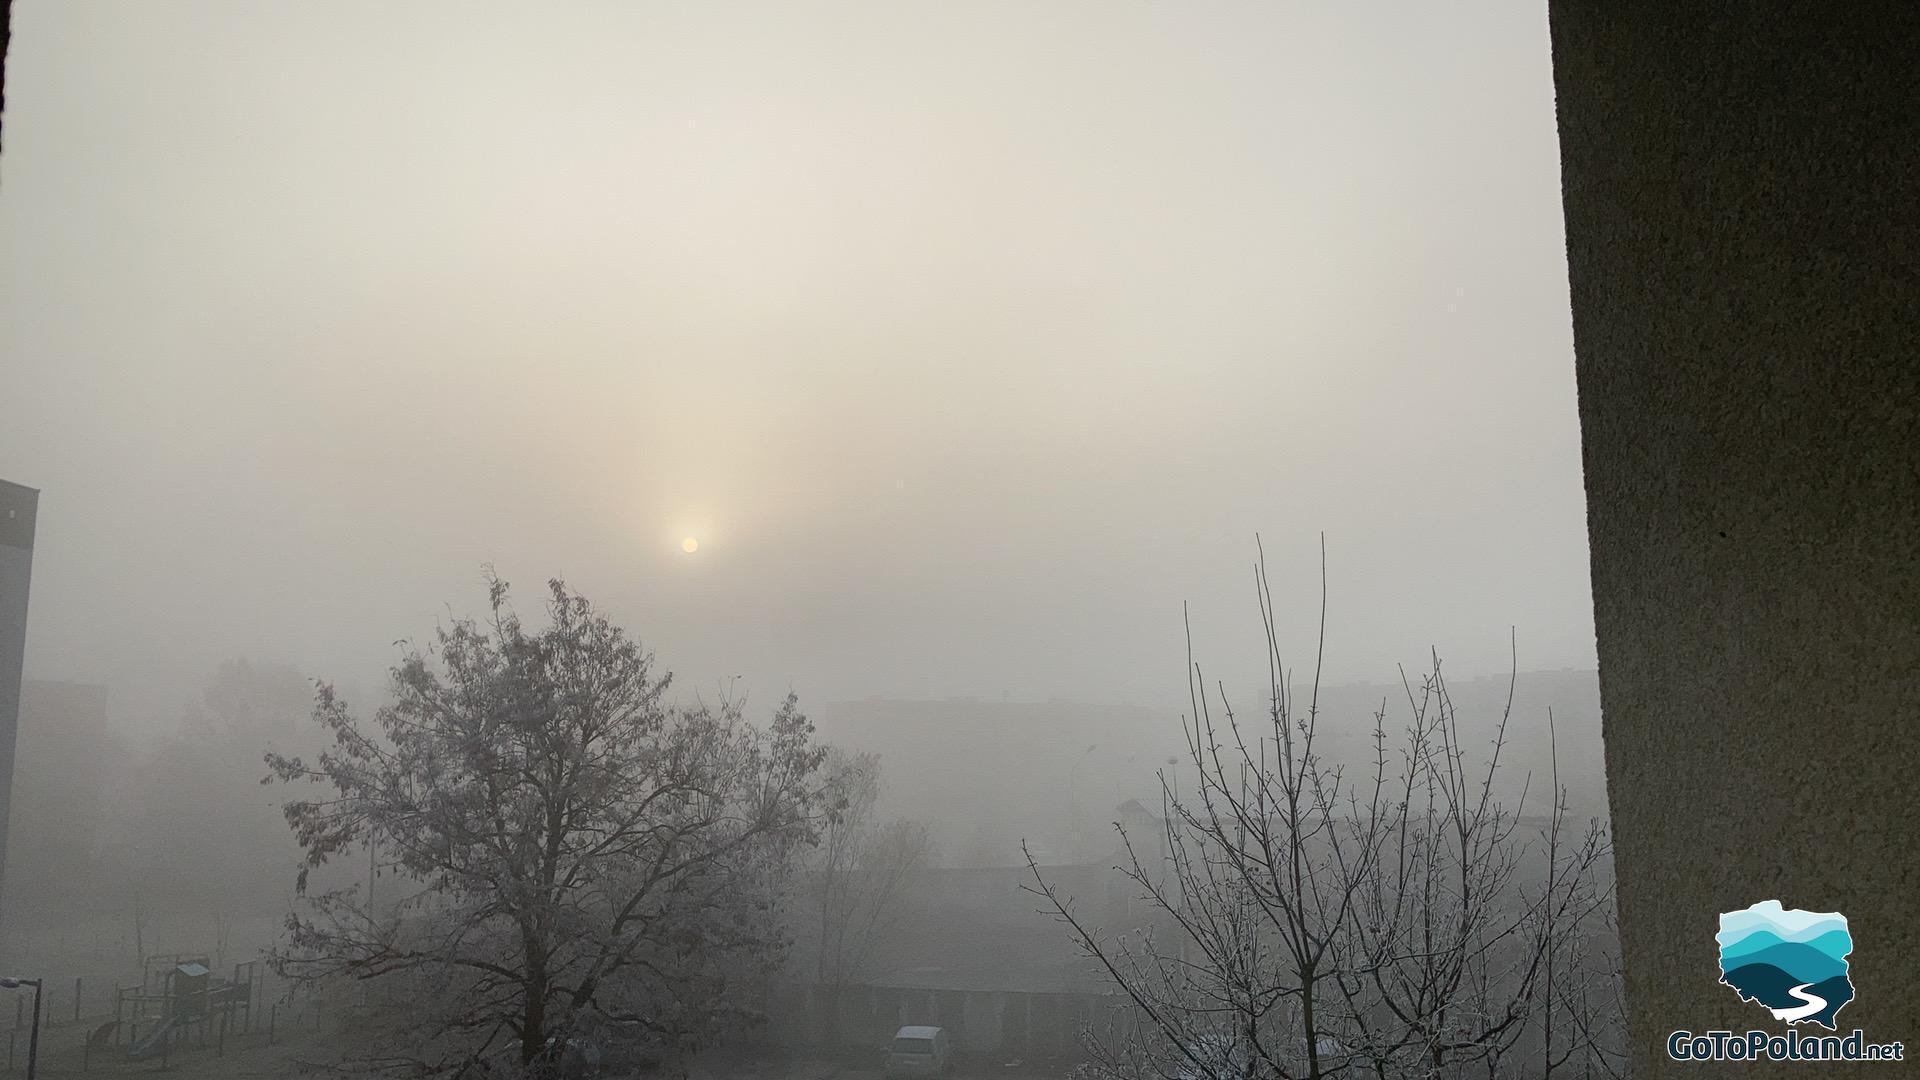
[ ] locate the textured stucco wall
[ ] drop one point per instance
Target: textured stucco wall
(1741, 198)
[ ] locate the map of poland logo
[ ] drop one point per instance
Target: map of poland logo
(1790, 962)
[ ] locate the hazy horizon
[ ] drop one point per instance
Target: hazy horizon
(970, 344)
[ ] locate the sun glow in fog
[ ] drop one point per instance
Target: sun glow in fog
(689, 545)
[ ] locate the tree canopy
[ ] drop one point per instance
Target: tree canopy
(568, 848)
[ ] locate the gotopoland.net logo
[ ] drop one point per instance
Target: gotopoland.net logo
(1793, 964)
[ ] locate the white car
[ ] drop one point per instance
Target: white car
(1215, 1057)
(919, 1051)
(1225, 1057)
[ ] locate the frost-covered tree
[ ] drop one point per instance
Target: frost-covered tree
(560, 848)
(1383, 917)
(862, 868)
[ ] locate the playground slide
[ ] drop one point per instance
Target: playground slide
(151, 1042)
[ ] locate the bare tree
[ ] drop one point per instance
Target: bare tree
(862, 868)
(247, 701)
(139, 929)
(566, 849)
(1382, 917)
(222, 933)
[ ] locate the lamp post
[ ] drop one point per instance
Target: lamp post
(1073, 800)
(33, 1040)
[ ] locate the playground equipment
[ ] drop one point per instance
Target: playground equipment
(178, 994)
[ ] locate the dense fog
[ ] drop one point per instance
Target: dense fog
(950, 369)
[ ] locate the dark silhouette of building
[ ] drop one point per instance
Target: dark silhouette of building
(18, 506)
(61, 776)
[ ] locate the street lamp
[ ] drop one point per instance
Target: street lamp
(33, 1040)
(1073, 801)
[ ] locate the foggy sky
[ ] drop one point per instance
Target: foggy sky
(970, 340)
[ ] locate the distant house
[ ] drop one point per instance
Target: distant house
(1136, 818)
(1146, 831)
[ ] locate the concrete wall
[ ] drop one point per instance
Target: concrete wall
(1740, 185)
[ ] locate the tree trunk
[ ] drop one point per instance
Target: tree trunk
(533, 1020)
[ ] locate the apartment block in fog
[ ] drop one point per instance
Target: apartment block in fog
(17, 512)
